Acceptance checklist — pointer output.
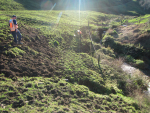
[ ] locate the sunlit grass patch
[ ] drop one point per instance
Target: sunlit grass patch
(140, 20)
(15, 52)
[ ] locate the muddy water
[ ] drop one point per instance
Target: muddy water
(131, 70)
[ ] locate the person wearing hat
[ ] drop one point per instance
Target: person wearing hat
(14, 30)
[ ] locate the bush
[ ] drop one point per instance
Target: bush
(129, 87)
(95, 38)
(114, 26)
(112, 32)
(140, 64)
(115, 32)
(56, 43)
(108, 38)
(130, 59)
(148, 30)
(108, 51)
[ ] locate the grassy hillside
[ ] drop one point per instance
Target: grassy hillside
(132, 38)
(10, 5)
(56, 71)
(33, 76)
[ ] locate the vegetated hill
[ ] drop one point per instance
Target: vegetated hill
(10, 5)
(130, 7)
(53, 71)
(131, 40)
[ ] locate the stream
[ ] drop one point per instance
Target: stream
(131, 70)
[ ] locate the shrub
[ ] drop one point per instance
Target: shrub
(114, 26)
(108, 38)
(130, 59)
(129, 87)
(140, 64)
(108, 51)
(2, 74)
(148, 30)
(95, 37)
(112, 32)
(56, 43)
(115, 32)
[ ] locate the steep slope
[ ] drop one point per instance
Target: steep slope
(28, 60)
(131, 39)
(55, 71)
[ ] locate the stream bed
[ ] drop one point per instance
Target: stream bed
(131, 70)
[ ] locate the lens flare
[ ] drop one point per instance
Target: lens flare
(59, 16)
(79, 11)
(53, 7)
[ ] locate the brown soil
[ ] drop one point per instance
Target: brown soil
(29, 64)
(129, 34)
(133, 34)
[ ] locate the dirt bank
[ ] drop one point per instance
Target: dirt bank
(33, 58)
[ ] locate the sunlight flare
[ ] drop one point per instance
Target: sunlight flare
(59, 16)
(79, 12)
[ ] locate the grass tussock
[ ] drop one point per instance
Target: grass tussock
(143, 100)
(117, 63)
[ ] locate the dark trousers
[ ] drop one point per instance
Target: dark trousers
(15, 34)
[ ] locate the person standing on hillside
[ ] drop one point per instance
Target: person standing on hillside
(14, 29)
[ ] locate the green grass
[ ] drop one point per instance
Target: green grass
(10, 5)
(45, 96)
(140, 20)
(15, 52)
(90, 86)
(32, 51)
